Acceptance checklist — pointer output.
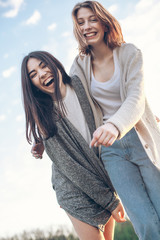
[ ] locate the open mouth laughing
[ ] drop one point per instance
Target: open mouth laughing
(48, 82)
(91, 34)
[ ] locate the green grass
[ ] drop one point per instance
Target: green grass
(124, 231)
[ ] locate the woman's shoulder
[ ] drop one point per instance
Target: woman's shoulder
(127, 51)
(82, 59)
(80, 62)
(127, 48)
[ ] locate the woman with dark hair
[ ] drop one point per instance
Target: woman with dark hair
(60, 112)
(113, 72)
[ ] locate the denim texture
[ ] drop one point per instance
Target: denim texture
(137, 182)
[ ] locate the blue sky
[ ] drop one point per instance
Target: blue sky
(27, 200)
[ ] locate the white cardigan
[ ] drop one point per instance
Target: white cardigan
(134, 111)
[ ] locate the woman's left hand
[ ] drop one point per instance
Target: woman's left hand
(104, 135)
(37, 150)
(118, 214)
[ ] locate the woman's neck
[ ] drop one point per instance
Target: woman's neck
(100, 52)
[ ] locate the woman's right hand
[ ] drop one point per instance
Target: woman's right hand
(157, 119)
(118, 213)
(104, 135)
(37, 150)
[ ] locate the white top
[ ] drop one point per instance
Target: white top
(75, 114)
(135, 109)
(107, 94)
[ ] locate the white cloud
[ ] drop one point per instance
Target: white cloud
(4, 4)
(16, 102)
(66, 34)
(14, 4)
(37, 198)
(19, 118)
(20, 131)
(52, 27)
(143, 25)
(113, 9)
(143, 5)
(6, 55)
(8, 72)
(143, 29)
(34, 19)
(72, 47)
(51, 46)
(2, 117)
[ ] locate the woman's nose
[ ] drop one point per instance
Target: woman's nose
(86, 26)
(41, 73)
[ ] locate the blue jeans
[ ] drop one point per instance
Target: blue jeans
(137, 182)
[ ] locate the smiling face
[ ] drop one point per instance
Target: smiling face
(42, 77)
(90, 26)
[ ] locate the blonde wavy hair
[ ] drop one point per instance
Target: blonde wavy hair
(113, 36)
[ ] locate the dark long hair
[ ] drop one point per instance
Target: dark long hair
(113, 36)
(40, 111)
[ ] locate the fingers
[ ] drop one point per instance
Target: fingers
(104, 135)
(36, 155)
(101, 137)
(118, 218)
(157, 119)
(108, 141)
(118, 214)
(96, 136)
(37, 150)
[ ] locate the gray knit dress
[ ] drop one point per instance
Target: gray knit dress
(82, 186)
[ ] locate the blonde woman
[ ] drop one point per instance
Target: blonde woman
(129, 134)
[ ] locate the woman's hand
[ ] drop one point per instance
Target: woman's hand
(118, 214)
(37, 150)
(157, 119)
(104, 135)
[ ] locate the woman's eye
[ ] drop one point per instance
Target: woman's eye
(33, 75)
(94, 20)
(80, 23)
(44, 65)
